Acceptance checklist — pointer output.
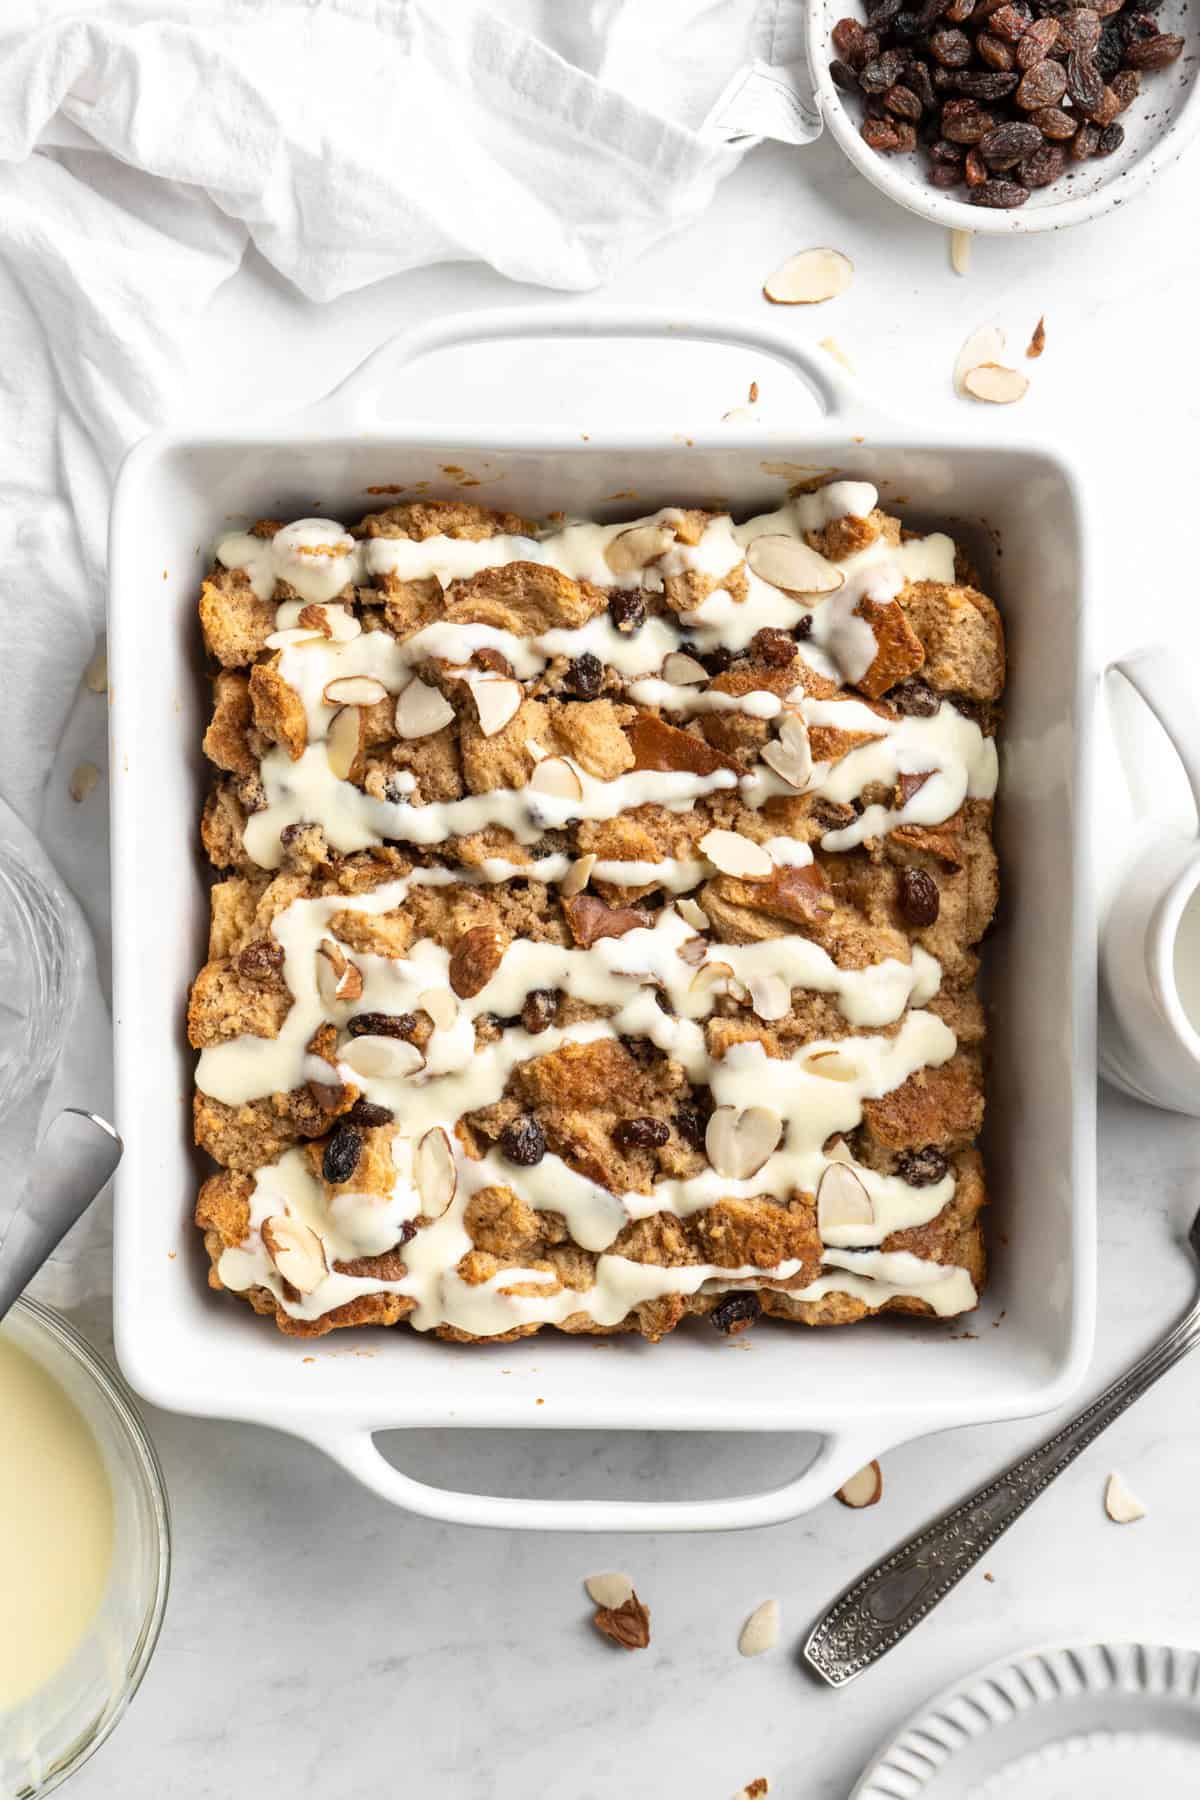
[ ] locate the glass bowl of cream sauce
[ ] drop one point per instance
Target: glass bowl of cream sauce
(85, 1550)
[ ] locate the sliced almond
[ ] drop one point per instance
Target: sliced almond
(343, 626)
(692, 913)
(292, 635)
(864, 1488)
(385, 1056)
(435, 1172)
(337, 977)
(441, 1006)
(761, 1630)
(693, 951)
(710, 977)
(736, 855)
(842, 1199)
(998, 385)
(809, 277)
(739, 1143)
(792, 565)
(631, 550)
(497, 700)
(682, 670)
(296, 1251)
(984, 345)
(555, 776)
(341, 741)
(354, 690)
(421, 710)
(476, 956)
(831, 1065)
(960, 251)
(770, 997)
(577, 876)
(83, 779)
(1122, 1507)
(790, 753)
(611, 1589)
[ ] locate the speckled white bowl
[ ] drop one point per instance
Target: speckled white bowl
(1158, 127)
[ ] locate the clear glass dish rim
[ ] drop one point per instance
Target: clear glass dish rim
(120, 1402)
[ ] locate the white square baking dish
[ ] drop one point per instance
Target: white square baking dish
(862, 1389)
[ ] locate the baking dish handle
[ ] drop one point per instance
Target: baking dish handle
(1156, 675)
(837, 1458)
(357, 401)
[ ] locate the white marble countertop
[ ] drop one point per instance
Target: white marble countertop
(320, 1644)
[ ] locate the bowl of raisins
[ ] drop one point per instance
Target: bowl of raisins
(1007, 115)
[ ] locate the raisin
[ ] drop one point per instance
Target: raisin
(586, 675)
(917, 77)
(1043, 85)
(260, 960)
(1136, 27)
(775, 648)
(1111, 138)
(1084, 82)
(737, 1312)
(1044, 166)
(1010, 142)
(1001, 194)
(1037, 43)
(691, 1122)
(539, 1010)
(1106, 112)
(916, 699)
(943, 151)
(1109, 51)
(368, 1115)
(959, 11)
(918, 896)
(906, 26)
(717, 661)
(627, 610)
(994, 51)
(951, 48)
(945, 175)
(965, 123)
(1054, 123)
(523, 1141)
(844, 77)
(1155, 52)
(903, 103)
(1010, 22)
(1125, 85)
(849, 40)
(880, 135)
(975, 169)
(944, 80)
(377, 1024)
(642, 1134)
(802, 628)
(985, 84)
(1080, 29)
(922, 1168)
(882, 12)
(341, 1155)
(1086, 142)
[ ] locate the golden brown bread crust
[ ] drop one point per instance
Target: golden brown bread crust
(948, 636)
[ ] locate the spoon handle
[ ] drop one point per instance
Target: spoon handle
(75, 1158)
(886, 1603)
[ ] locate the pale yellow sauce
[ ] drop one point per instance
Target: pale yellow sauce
(56, 1526)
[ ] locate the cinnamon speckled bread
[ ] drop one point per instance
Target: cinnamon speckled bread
(594, 938)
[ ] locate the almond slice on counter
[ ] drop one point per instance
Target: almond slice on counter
(790, 564)
(692, 913)
(631, 550)
(842, 1199)
(555, 776)
(386, 1056)
(627, 1625)
(341, 741)
(83, 779)
(736, 855)
(770, 997)
(809, 277)
(338, 978)
(830, 1065)
(761, 1630)
(475, 958)
(790, 753)
(497, 700)
(354, 690)
(984, 345)
(991, 382)
(864, 1488)
(577, 876)
(435, 1172)
(421, 710)
(441, 1006)
(682, 670)
(95, 676)
(296, 1251)
(739, 1143)
(611, 1589)
(1122, 1507)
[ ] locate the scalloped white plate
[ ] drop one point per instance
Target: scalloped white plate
(1101, 1721)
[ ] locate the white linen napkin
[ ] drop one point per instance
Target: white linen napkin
(142, 147)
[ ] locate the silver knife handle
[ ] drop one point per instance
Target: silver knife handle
(887, 1602)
